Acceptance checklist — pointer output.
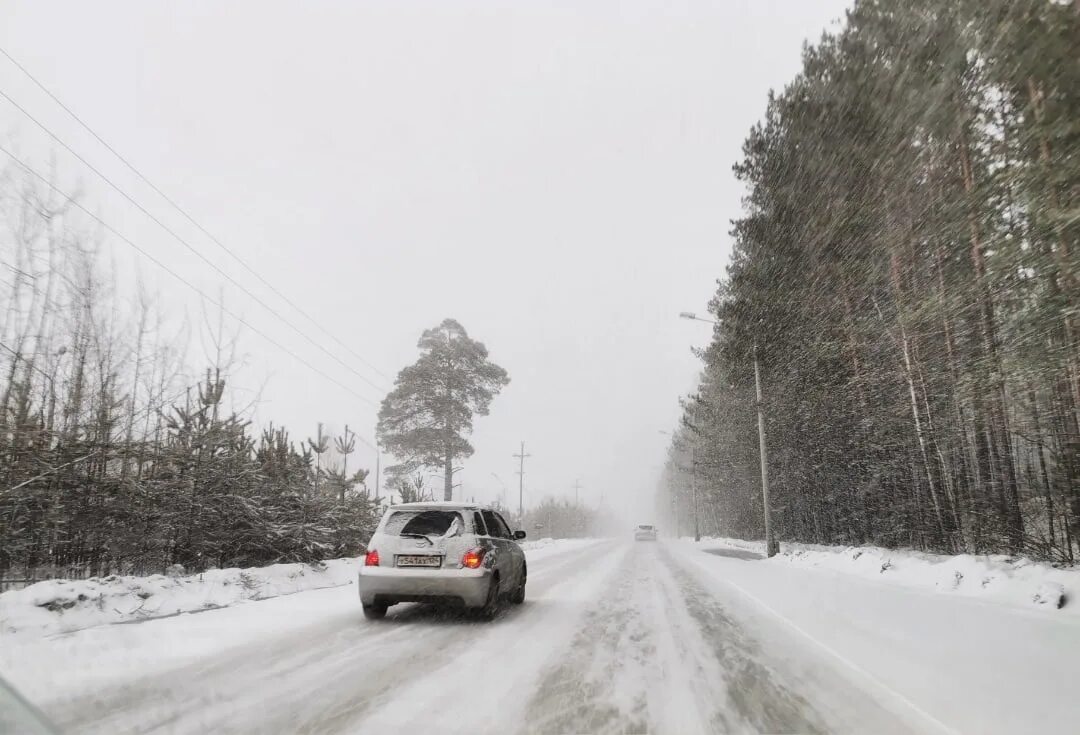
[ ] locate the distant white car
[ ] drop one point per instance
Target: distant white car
(442, 552)
(645, 532)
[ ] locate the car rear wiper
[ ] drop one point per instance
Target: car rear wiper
(418, 535)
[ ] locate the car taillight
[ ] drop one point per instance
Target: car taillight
(372, 559)
(473, 559)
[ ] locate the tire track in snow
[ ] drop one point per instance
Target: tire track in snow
(228, 692)
(309, 679)
(580, 692)
(659, 655)
(629, 669)
(446, 635)
(478, 688)
(755, 697)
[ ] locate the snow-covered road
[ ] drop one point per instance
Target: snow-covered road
(614, 637)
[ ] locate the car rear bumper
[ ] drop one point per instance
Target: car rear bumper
(388, 585)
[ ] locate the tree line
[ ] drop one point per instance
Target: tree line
(906, 274)
(112, 459)
(562, 518)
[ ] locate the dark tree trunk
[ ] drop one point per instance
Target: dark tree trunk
(448, 477)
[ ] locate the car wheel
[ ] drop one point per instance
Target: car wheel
(519, 594)
(493, 601)
(374, 612)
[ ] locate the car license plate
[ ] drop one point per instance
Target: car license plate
(419, 561)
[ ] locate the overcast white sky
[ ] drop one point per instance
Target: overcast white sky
(556, 176)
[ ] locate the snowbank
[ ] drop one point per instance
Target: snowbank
(62, 606)
(551, 544)
(537, 543)
(545, 547)
(998, 578)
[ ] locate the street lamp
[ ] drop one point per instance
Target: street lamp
(693, 476)
(771, 546)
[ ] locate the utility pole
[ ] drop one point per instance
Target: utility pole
(693, 472)
(771, 547)
(578, 523)
(521, 482)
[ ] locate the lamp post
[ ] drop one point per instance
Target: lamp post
(693, 476)
(771, 545)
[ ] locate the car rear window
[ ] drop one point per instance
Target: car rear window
(645, 528)
(424, 523)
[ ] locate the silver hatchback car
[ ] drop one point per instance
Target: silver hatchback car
(459, 553)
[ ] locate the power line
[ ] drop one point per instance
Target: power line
(180, 278)
(185, 243)
(184, 212)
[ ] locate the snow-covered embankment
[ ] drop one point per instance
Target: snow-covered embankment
(1011, 580)
(62, 606)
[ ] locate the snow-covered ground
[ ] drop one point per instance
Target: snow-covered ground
(614, 637)
(541, 548)
(970, 663)
(63, 606)
(1010, 580)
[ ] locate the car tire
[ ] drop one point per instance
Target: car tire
(374, 612)
(519, 594)
(493, 602)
